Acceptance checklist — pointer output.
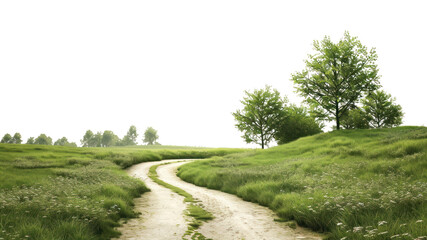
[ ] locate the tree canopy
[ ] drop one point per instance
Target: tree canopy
(381, 110)
(260, 116)
(150, 136)
(295, 123)
(43, 140)
(6, 138)
(337, 75)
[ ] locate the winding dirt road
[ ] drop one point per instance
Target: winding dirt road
(162, 212)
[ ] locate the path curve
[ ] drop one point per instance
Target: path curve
(234, 217)
(161, 210)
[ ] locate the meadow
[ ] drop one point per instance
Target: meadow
(351, 184)
(54, 192)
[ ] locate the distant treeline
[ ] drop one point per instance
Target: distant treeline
(99, 139)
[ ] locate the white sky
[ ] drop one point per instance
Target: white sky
(182, 66)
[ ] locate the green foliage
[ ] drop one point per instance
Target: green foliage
(260, 116)
(296, 123)
(355, 119)
(109, 139)
(130, 138)
(337, 75)
(30, 140)
(381, 110)
(150, 136)
(64, 142)
(6, 138)
(354, 184)
(16, 139)
(43, 140)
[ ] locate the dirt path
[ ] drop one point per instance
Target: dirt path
(162, 210)
(234, 218)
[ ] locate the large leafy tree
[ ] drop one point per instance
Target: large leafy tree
(150, 136)
(381, 110)
(260, 116)
(295, 123)
(337, 75)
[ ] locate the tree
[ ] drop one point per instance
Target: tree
(96, 140)
(260, 116)
(86, 141)
(337, 75)
(43, 140)
(30, 140)
(16, 139)
(355, 119)
(109, 139)
(381, 110)
(64, 142)
(130, 137)
(150, 136)
(6, 138)
(296, 123)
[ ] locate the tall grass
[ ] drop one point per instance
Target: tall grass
(53, 192)
(357, 184)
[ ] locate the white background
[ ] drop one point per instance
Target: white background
(182, 66)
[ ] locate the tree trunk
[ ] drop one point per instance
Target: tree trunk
(337, 115)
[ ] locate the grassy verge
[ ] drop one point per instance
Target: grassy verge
(354, 184)
(53, 192)
(194, 210)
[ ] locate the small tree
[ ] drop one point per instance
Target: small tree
(6, 138)
(150, 136)
(96, 140)
(30, 140)
(381, 110)
(337, 75)
(260, 116)
(296, 123)
(16, 139)
(130, 137)
(43, 140)
(355, 119)
(86, 141)
(61, 142)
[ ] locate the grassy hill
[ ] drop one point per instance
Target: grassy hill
(53, 192)
(353, 184)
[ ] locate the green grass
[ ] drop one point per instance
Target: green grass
(352, 184)
(194, 209)
(54, 192)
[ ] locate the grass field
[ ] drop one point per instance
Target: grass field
(352, 184)
(53, 192)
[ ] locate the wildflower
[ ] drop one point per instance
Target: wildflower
(402, 225)
(343, 238)
(339, 224)
(357, 229)
(395, 236)
(382, 233)
(382, 223)
(419, 221)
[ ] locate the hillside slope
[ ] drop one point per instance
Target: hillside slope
(354, 184)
